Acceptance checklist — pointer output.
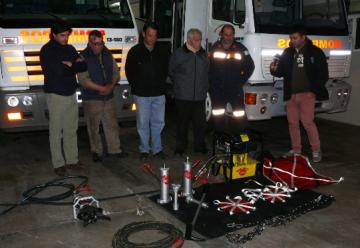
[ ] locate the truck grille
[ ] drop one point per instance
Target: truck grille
(32, 62)
(266, 61)
(338, 66)
(35, 73)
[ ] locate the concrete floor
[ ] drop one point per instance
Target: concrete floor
(25, 162)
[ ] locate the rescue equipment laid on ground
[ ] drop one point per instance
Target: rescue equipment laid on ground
(164, 181)
(86, 208)
(274, 193)
(164, 186)
(174, 238)
(235, 154)
(176, 188)
(271, 193)
(235, 205)
(187, 188)
(238, 238)
(212, 223)
(295, 171)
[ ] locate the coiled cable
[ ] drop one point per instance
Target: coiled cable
(30, 195)
(174, 238)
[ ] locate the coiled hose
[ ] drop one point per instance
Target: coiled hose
(174, 238)
(29, 196)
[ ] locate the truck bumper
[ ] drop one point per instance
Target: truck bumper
(31, 112)
(269, 99)
(269, 102)
(339, 97)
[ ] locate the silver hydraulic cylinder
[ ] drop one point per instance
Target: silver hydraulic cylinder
(187, 190)
(164, 186)
(176, 188)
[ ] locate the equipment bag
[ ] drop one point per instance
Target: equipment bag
(295, 171)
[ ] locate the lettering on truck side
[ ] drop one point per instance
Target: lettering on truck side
(38, 36)
(324, 44)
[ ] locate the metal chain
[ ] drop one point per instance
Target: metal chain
(238, 238)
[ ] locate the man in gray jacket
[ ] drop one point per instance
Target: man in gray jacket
(188, 69)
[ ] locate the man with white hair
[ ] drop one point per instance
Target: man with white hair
(188, 69)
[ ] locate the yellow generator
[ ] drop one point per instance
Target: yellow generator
(236, 155)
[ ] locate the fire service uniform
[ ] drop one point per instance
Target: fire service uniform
(229, 70)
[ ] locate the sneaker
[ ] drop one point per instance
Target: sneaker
(160, 155)
(61, 171)
(96, 157)
(291, 153)
(144, 156)
(317, 156)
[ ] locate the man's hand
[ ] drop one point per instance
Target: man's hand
(273, 66)
(106, 90)
(68, 63)
(80, 59)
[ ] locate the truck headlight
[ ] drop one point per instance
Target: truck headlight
(346, 92)
(125, 94)
(218, 112)
(263, 99)
(274, 98)
(13, 101)
(339, 93)
(130, 39)
(27, 100)
(10, 40)
(239, 113)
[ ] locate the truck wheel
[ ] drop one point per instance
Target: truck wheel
(208, 109)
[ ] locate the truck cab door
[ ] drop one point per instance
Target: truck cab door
(163, 18)
(196, 14)
(174, 18)
(161, 13)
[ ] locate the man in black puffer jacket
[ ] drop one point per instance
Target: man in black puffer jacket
(188, 68)
(305, 73)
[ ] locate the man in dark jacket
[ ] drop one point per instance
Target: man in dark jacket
(305, 73)
(60, 62)
(146, 71)
(230, 67)
(98, 84)
(188, 69)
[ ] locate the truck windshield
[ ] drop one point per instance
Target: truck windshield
(78, 13)
(229, 10)
(321, 17)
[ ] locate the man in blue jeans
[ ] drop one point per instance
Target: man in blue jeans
(146, 71)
